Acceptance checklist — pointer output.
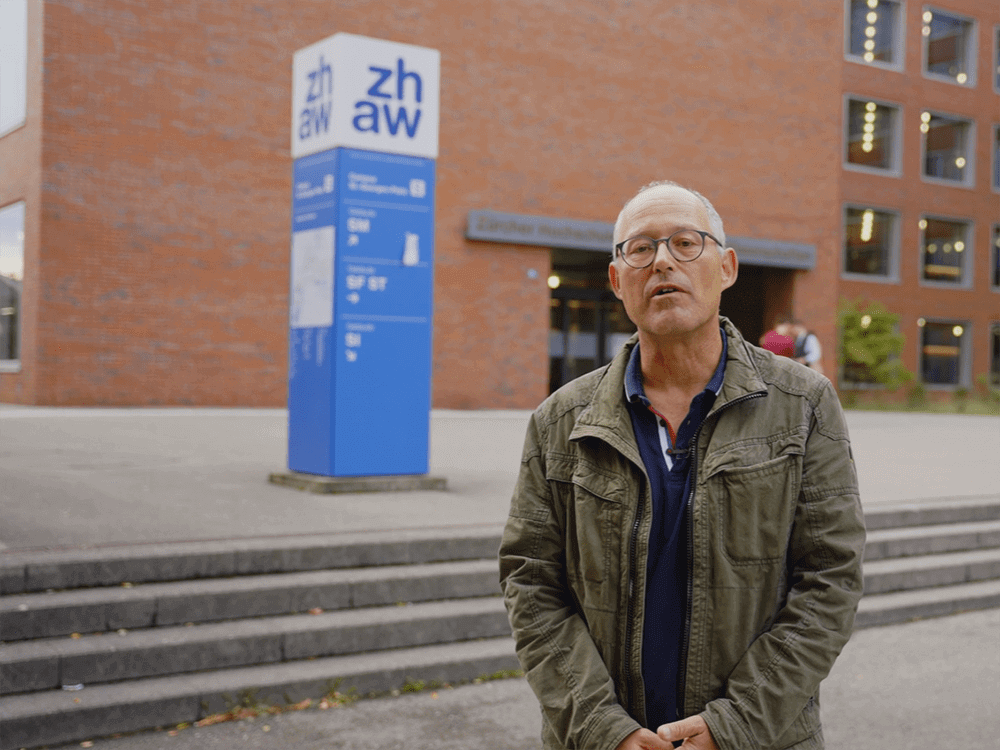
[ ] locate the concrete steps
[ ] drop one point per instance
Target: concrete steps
(168, 633)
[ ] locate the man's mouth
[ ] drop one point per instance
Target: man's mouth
(665, 290)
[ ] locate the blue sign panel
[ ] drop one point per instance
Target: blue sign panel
(360, 312)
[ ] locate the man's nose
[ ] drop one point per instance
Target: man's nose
(663, 260)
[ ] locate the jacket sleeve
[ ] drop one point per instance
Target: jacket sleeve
(780, 672)
(560, 660)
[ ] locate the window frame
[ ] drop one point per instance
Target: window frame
(992, 331)
(892, 277)
(896, 168)
(898, 42)
(14, 365)
(964, 353)
(995, 73)
(995, 164)
(994, 257)
(969, 180)
(968, 254)
(971, 53)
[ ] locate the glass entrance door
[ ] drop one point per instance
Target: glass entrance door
(586, 330)
(587, 323)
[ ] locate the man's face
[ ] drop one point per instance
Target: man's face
(671, 299)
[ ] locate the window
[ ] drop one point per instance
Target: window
(996, 157)
(874, 32)
(945, 250)
(996, 59)
(995, 354)
(947, 148)
(949, 47)
(872, 135)
(942, 352)
(11, 277)
(14, 64)
(870, 241)
(995, 259)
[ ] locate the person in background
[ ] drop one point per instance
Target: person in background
(790, 338)
(777, 343)
(682, 558)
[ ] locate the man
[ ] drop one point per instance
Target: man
(682, 560)
(807, 349)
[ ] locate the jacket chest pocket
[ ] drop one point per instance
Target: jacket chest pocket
(593, 507)
(754, 507)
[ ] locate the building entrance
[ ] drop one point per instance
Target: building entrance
(759, 296)
(587, 323)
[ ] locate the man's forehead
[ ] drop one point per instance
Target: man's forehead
(665, 200)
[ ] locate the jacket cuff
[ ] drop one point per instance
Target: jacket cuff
(728, 728)
(607, 729)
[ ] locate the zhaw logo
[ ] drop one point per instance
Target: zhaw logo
(395, 113)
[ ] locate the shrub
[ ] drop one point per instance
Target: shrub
(870, 345)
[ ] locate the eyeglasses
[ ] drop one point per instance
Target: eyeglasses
(685, 245)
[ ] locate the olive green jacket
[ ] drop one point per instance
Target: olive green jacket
(775, 533)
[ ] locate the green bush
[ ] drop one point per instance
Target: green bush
(870, 345)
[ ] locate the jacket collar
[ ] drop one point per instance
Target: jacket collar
(606, 416)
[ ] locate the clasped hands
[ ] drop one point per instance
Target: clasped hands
(692, 730)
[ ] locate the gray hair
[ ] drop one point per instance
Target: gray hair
(714, 220)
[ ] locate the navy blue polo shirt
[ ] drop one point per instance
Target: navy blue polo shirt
(664, 453)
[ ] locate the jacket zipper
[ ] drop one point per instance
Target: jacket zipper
(630, 688)
(686, 640)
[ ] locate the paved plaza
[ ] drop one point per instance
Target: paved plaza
(100, 477)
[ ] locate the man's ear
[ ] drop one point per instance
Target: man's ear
(614, 279)
(730, 268)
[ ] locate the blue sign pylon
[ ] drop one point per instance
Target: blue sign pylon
(362, 257)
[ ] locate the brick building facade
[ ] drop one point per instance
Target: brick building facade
(153, 172)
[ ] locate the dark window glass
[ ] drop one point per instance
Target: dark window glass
(873, 30)
(995, 255)
(870, 139)
(941, 349)
(945, 250)
(868, 242)
(11, 279)
(948, 45)
(946, 151)
(996, 157)
(995, 354)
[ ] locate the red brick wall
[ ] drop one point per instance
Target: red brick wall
(163, 249)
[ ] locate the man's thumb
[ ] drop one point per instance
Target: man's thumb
(682, 729)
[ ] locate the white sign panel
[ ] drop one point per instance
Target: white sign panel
(366, 93)
(311, 304)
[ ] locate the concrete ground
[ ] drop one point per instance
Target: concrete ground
(91, 477)
(78, 477)
(929, 684)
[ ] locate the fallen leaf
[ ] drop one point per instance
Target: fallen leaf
(86, 743)
(315, 611)
(301, 706)
(212, 719)
(74, 636)
(76, 700)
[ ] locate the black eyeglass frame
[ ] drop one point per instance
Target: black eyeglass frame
(656, 245)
